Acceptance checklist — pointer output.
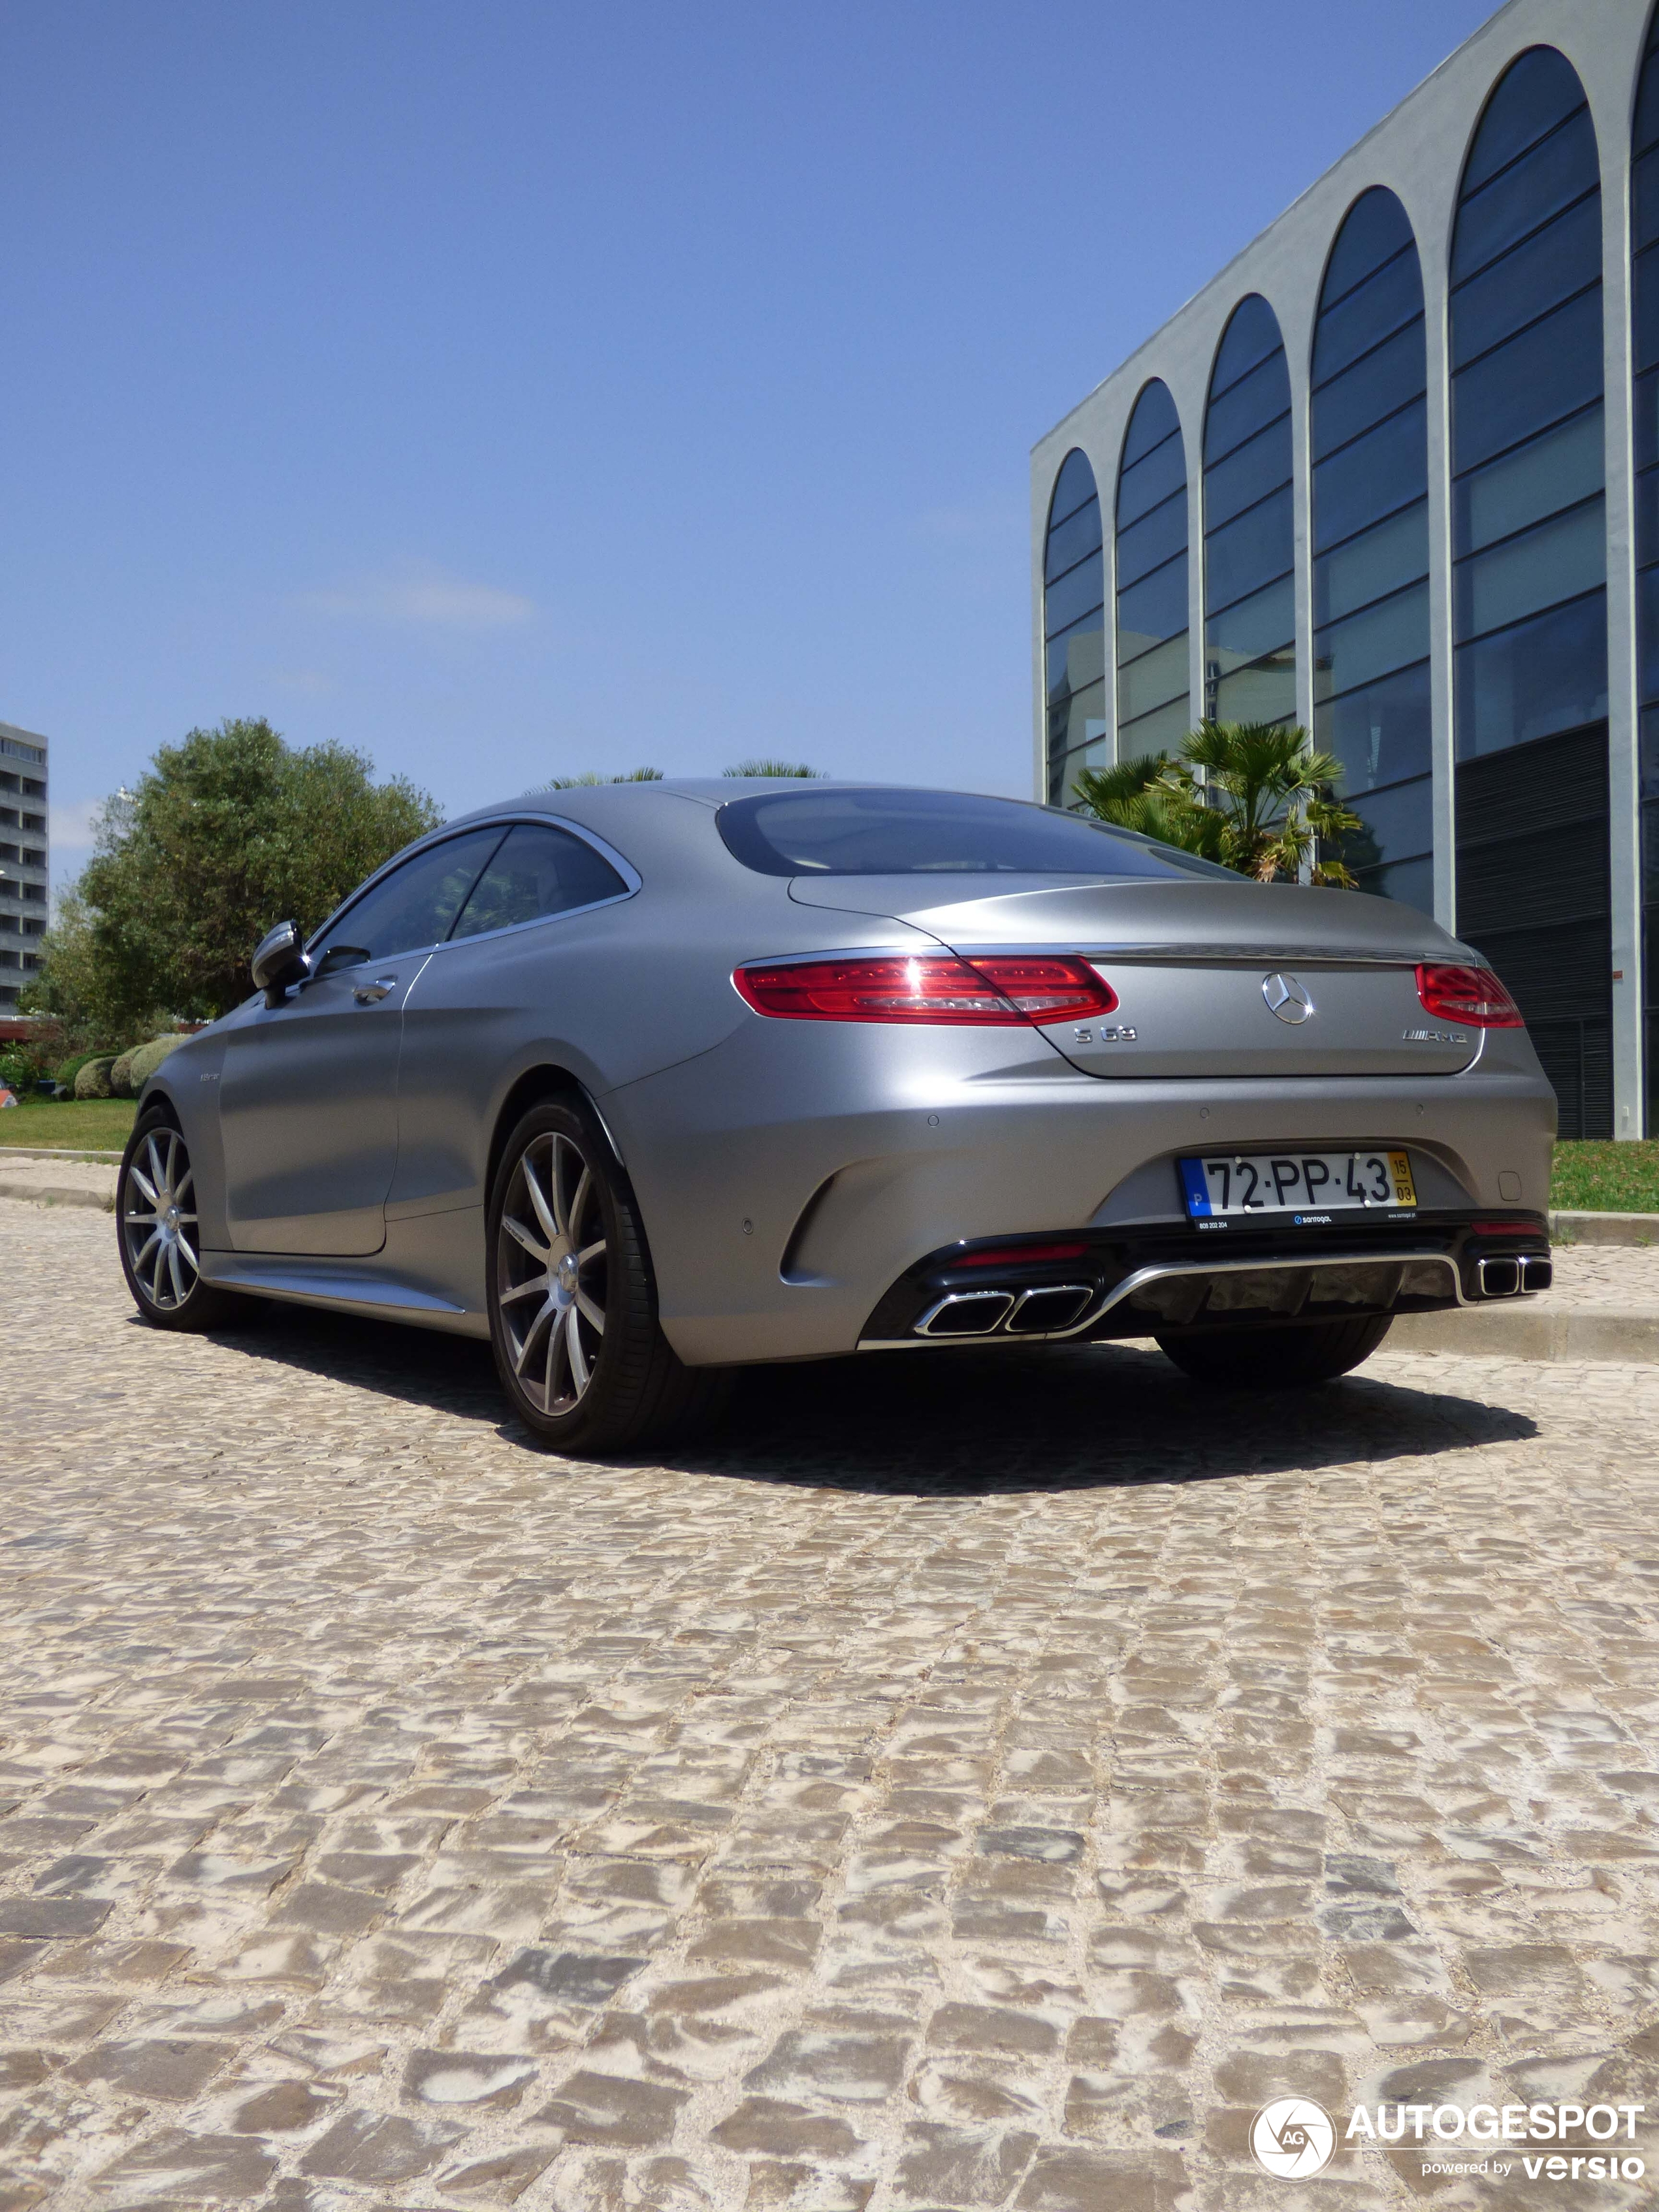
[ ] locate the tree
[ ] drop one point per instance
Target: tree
(227, 833)
(590, 775)
(778, 770)
(1253, 795)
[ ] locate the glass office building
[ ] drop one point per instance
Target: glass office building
(1394, 475)
(24, 880)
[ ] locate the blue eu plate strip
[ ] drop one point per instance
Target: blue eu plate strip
(1198, 1193)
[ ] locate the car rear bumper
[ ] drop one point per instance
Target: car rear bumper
(790, 1179)
(1154, 1283)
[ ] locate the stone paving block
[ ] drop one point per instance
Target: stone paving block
(610, 2108)
(466, 1827)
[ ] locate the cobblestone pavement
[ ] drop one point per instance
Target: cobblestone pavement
(968, 1782)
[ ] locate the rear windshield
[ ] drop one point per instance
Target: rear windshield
(883, 832)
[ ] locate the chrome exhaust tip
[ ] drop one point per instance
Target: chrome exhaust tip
(1499, 1278)
(967, 1313)
(1537, 1272)
(1054, 1306)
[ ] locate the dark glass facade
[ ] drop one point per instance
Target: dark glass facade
(1369, 437)
(1529, 571)
(1074, 628)
(1420, 484)
(1249, 529)
(1644, 362)
(1527, 527)
(1154, 707)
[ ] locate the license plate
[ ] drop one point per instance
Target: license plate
(1230, 1183)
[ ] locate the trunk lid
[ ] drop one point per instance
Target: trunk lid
(1212, 979)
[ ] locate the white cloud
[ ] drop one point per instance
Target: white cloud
(418, 593)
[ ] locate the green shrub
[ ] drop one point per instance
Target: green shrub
(91, 1078)
(68, 1070)
(143, 1063)
(120, 1076)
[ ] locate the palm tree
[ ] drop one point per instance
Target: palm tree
(1253, 795)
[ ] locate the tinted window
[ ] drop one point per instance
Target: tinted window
(1536, 93)
(1380, 734)
(947, 833)
(1154, 478)
(1373, 231)
(538, 870)
(1243, 554)
(1256, 400)
(1153, 540)
(1371, 476)
(1153, 608)
(1381, 304)
(417, 904)
(1528, 613)
(1069, 540)
(1073, 620)
(1074, 593)
(1375, 387)
(1074, 485)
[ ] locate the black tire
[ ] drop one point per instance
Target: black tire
(589, 1371)
(1288, 1357)
(155, 1232)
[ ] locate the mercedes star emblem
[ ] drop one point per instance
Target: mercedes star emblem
(1286, 998)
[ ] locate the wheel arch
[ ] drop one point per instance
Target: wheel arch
(535, 1085)
(153, 1095)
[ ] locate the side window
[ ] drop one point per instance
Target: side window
(417, 904)
(538, 870)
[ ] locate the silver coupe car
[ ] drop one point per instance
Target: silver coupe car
(645, 1082)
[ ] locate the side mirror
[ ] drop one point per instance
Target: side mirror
(279, 963)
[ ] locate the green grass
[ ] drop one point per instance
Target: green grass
(95, 1125)
(1607, 1178)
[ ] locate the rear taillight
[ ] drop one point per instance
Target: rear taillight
(1001, 991)
(1467, 994)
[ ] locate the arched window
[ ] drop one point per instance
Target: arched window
(1528, 583)
(1250, 532)
(1644, 295)
(1370, 536)
(1074, 627)
(1154, 705)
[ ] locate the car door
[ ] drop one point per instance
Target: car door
(518, 975)
(308, 1095)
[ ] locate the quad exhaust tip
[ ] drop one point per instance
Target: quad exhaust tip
(1026, 1313)
(1508, 1279)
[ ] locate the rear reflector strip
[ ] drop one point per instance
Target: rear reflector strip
(1020, 1255)
(998, 992)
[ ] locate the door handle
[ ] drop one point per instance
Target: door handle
(370, 994)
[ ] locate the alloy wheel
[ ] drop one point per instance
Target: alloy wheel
(551, 1272)
(158, 1221)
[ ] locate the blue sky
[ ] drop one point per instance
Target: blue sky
(512, 389)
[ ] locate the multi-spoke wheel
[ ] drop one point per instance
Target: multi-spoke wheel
(551, 1265)
(572, 1311)
(157, 1222)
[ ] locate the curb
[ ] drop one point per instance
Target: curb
(1505, 1332)
(51, 1194)
(56, 1152)
(1604, 1228)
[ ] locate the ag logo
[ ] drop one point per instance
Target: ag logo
(1293, 2138)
